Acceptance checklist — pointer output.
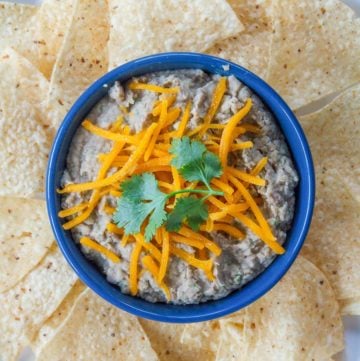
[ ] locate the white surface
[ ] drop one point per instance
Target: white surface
(351, 323)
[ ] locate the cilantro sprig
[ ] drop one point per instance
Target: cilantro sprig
(142, 199)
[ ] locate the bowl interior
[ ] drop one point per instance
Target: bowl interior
(299, 149)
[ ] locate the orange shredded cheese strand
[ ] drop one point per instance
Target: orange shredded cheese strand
(125, 240)
(111, 227)
(153, 88)
(149, 247)
(228, 132)
(99, 248)
(95, 197)
(260, 166)
(231, 230)
(185, 240)
(184, 121)
(70, 211)
(176, 177)
(249, 178)
(164, 254)
(103, 133)
(145, 168)
(241, 146)
(254, 207)
(173, 115)
(216, 216)
(108, 209)
(117, 124)
(162, 120)
(115, 193)
(205, 265)
(152, 267)
(120, 174)
(222, 186)
(210, 245)
(165, 185)
(219, 92)
(157, 106)
(133, 267)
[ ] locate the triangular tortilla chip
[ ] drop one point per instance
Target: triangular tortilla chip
(315, 49)
(166, 341)
(26, 306)
(333, 243)
(146, 27)
(17, 29)
(51, 326)
(299, 319)
(251, 48)
(83, 57)
(96, 330)
(25, 237)
(26, 136)
(52, 22)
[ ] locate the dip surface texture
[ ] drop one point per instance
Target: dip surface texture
(241, 260)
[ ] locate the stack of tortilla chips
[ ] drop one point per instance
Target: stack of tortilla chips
(305, 49)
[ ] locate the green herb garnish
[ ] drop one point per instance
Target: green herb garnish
(142, 198)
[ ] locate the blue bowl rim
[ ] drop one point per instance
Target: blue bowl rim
(255, 288)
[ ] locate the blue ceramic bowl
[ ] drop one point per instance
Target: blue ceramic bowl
(297, 143)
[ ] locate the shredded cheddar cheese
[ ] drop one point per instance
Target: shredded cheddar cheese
(228, 132)
(153, 88)
(148, 151)
(85, 241)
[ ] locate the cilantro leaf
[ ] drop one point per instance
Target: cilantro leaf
(186, 151)
(194, 161)
(141, 198)
(191, 209)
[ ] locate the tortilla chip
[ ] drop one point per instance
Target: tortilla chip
(251, 48)
(350, 306)
(146, 27)
(17, 29)
(26, 137)
(315, 49)
(26, 306)
(25, 237)
(232, 340)
(83, 57)
(202, 336)
(95, 330)
(53, 20)
(51, 326)
(165, 338)
(298, 319)
(333, 243)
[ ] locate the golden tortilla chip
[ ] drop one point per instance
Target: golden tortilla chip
(51, 326)
(232, 340)
(25, 237)
(166, 339)
(17, 29)
(251, 48)
(53, 20)
(333, 243)
(315, 49)
(26, 136)
(350, 306)
(83, 57)
(203, 337)
(299, 319)
(27, 305)
(146, 27)
(95, 330)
